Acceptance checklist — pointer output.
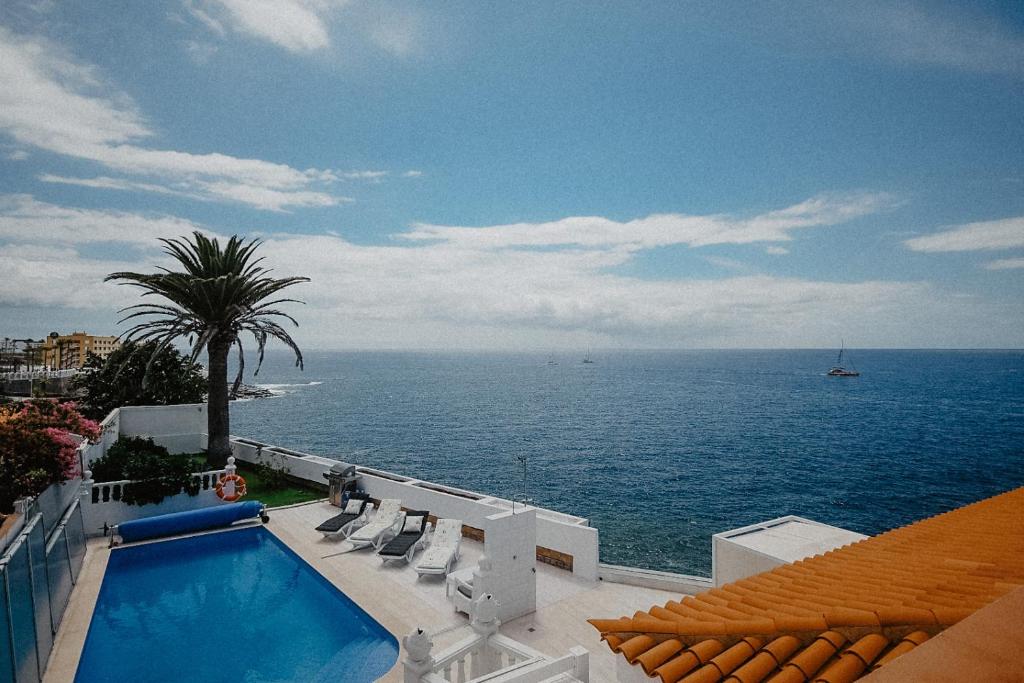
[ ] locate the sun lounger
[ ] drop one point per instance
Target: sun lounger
(385, 525)
(443, 552)
(355, 514)
(412, 537)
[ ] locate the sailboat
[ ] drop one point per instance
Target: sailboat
(838, 370)
(586, 359)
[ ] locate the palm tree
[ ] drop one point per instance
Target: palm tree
(219, 294)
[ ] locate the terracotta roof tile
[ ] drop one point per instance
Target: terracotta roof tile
(658, 655)
(635, 646)
(706, 674)
(812, 657)
(756, 669)
(731, 659)
(887, 593)
(688, 661)
(847, 668)
(908, 643)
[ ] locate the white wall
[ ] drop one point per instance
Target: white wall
(555, 530)
(113, 512)
(182, 429)
(179, 429)
(650, 578)
(510, 545)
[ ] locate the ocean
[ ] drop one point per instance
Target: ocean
(660, 450)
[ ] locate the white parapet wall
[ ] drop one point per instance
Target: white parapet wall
(102, 507)
(757, 548)
(179, 429)
(562, 539)
(650, 578)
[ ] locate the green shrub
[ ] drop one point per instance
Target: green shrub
(154, 473)
(272, 479)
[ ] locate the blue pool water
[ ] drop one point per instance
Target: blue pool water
(231, 607)
(660, 450)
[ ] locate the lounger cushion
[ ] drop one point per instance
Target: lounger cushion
(400, 544)
(335, 523)
(413, 525)
(354, 506)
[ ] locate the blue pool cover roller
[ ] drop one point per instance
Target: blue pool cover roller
(188, 521)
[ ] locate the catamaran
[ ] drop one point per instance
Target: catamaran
(838, 370)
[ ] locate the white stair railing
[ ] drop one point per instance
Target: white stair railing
(487, 656)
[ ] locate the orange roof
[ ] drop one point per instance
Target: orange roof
(837, 616)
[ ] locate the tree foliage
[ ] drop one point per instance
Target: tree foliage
(154, 473)
(219, 293)
(38, 447)
(139, 375)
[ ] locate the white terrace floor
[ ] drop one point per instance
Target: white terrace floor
(393, 596)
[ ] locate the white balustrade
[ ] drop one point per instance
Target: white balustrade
(102, 505)
(487, 656)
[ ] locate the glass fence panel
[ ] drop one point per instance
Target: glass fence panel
(49, 505)
(22, 613)
(58, 566)
(6, 655)
(40, 592)
(75, 530)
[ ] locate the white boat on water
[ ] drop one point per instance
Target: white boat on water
(838, 370)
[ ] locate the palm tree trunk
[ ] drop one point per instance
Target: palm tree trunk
(218, 421)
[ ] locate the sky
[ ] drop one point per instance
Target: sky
(531, 176)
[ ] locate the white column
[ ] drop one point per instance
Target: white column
(510, 545)
(418, 661)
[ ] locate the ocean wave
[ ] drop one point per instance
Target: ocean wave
(280, 387)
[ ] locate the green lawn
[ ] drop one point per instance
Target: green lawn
(258, 489)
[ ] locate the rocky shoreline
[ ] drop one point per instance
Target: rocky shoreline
(247, 392)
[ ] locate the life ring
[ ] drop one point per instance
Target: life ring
(237, 487)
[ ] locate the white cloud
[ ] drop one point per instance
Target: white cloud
(447, 295)
(200, 52)
(727, 263)
(662, 229)
(295, 25)
(27, 221)
(928, 35)
(986, 235)
(458, 294)
(397, 33)
(204, 18)
(57, 276)
(50, 101)
(412, 174)
(959, 36)
(1005, 264)
(108, 183)
(363, 175)
(776, 250)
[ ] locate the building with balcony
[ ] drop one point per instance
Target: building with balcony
(70, 351)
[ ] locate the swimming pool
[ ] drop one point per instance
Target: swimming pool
(236, 606)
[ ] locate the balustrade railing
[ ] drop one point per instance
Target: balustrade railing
(113, 491)
(494, 658)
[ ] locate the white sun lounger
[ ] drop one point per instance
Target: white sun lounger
(443, 552)
(384, 526)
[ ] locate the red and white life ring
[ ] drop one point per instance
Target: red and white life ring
(230, 487)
